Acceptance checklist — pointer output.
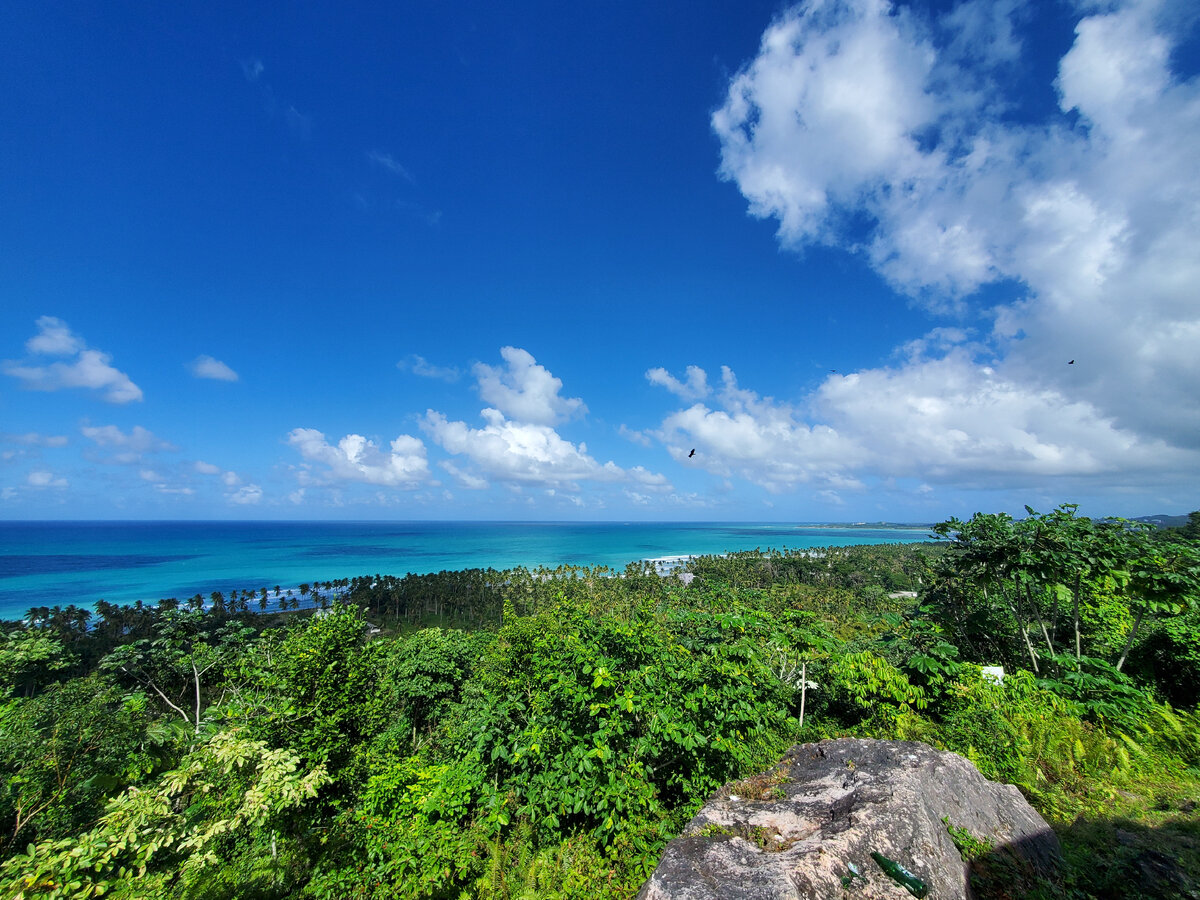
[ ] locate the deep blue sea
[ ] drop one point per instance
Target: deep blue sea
(56, 563)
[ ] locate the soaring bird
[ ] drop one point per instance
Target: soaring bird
(1071, 363)
(693, 453)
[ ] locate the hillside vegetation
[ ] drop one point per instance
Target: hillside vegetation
(544, 733)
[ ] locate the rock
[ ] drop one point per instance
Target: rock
(795, 830)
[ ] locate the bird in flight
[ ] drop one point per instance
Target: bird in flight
(1071, 363)
(693, 453)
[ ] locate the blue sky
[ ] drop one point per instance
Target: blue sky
(447, 260)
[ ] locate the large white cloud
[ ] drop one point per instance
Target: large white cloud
(944, 419)
(524, 390)
(516, 453)
(518, 444)
(88, 368)
(355, 458)
(857, 112)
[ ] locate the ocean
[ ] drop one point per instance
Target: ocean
(57, 563)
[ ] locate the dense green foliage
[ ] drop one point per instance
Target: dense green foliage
(543, 734)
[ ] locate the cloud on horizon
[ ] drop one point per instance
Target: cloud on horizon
(355, 458)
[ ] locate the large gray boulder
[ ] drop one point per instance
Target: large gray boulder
(801, 829)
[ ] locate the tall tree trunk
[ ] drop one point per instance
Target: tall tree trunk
(196, 676)
(1023, 630)
(1041, 624)
(1078, 642)
(803, 689)
(1132, 633)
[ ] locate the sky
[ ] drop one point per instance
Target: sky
(716, 261)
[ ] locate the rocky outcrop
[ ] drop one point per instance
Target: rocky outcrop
(807, 828)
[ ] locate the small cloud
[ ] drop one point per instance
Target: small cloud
(128, 448)
(638, 437)
(180, 491)
(391, 164)
(33, 439)
(54, 338)
(206, 367)
(297, 496)
(45, 480)
(89, 369)
(418, 365)
(299, 124)
(249, 495)
(150, 475)
(694, 388)
(231, 479)
(207, 468)
(252, 68)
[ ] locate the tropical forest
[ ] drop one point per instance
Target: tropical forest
(543, 733)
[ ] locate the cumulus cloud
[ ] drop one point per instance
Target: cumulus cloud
(54, 338)
(86, 368)
(945, 419)
(355, 458)
(525, 391)
(207, 367)
(760, 439)
(43, 479)
(695, 387)
(869, 127)
(248, 495)
(518, 452)
(518, 445)
(205, 468)
(126, 448)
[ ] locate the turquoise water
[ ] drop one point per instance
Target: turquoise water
(56, 563)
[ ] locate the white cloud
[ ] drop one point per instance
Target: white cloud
(517, 453)
(247, 495)
(389, 163)
(125, 449)
(54, 338)
(637, 437)
(694, 388)
(139, 440)
(525, 391)
(865, 126)
(759, 439)
(231, 479)
(42, 479)
(355, 458)
(947, 419)
(205, 468)
(207, 367)
(418, 365)
(34, 439)
(89, 369)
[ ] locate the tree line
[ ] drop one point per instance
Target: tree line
(544, 732)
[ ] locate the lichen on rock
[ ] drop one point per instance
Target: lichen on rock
(807, 828)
